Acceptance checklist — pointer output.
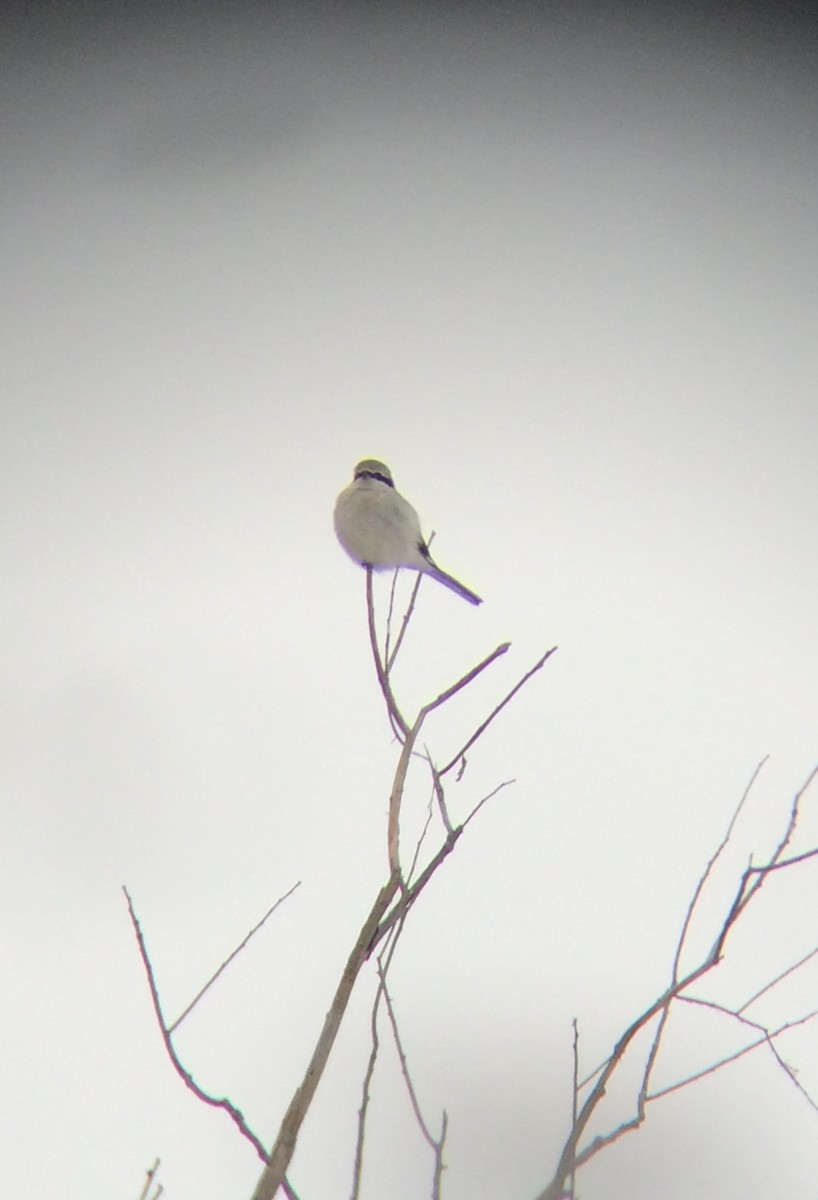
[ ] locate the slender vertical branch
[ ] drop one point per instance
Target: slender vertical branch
(282, 1152)
(396, 718)
(358, 1167)
(151, 1175)
(389, 658)
(574, 1104)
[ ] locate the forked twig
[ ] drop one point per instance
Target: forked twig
(413, 732)
(481, 729)
(571, 1157)
(410, 893)
(767, 1038)
(215, 1101)
(677, 957)
(151, 1175)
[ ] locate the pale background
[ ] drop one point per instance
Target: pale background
(560, 272)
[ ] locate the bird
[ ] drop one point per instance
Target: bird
(379, 529)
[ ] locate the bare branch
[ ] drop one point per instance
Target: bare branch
(383, 966)
(711, 864)
(794, 813)
(231, 956)
(411, 735)
(777, 855)
(397, 720)
(437, 1181)
(767, 1038)
(436, 1144)
(151, 1174)
(571, 1158)
(396, 797)
(185, 1076)
(410, 894)
(357, 1172)
(437, 788)
(495, 712)
(782, 975)
(488, 796)
(653, 1054)
(404, 1066)
(389, 659)
(376, 926)
(467, 678)
(572, 1186)
(416, 855)
(747, 889)
(282, 1152)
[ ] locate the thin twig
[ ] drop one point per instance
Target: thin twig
(767, 1037)
(389, 659)
(383, 966)
(437, 789)
(151, 1174)
(782, 975)
(411, 893)
(574, 1103)
(776, 857)
(358, 1167)
(712, 862)
(390, 610)
(404, 1066)
(495, 791)
(436, 1144)
(499, 708)
(185, 1076)
(748, 887)
(466, 679)
(396, 797)
(440, 1166)
(395, 717)
(416, 855)
(411, 735)
(230, 957)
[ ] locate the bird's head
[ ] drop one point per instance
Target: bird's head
(371, 468)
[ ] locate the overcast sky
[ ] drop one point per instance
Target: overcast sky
(558, 267)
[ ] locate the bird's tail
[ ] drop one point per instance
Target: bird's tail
(449, 582)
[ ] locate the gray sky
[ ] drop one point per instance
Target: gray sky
(560, 273)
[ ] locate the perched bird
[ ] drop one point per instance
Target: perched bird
(379, 529)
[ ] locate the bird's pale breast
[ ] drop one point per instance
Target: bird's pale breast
(376, 525)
